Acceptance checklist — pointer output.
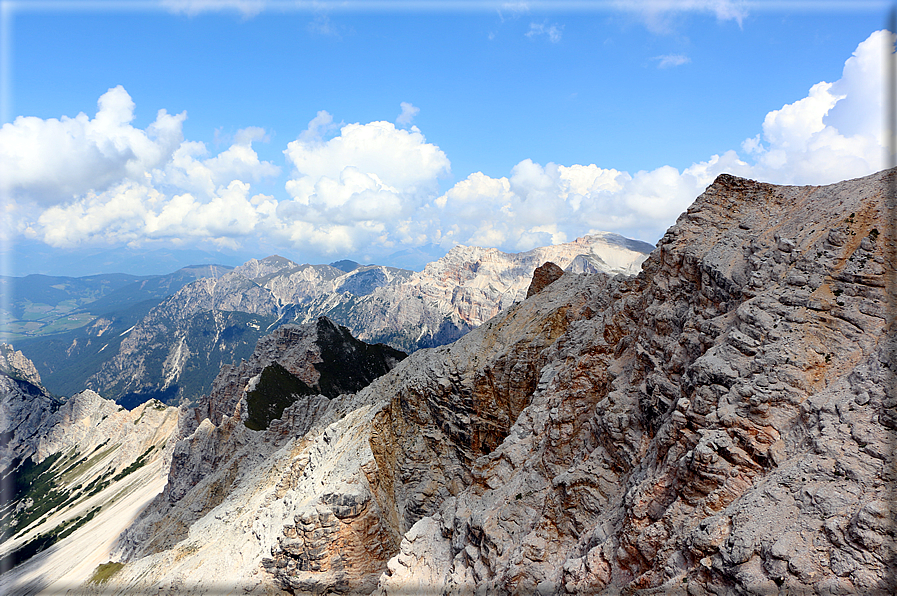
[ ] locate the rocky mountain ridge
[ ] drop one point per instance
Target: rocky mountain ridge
(335, 470)
(470, 285)
(73, 324)
(725, 425)
(174, 350)
(74, 473)
(82, 468)
(320, 359)
(14, 364)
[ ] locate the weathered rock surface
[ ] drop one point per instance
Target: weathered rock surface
(320, 500)
(24, 410)
(14, 364)
(74, 475)
(543, 276)
(469, 286)
(219, 457)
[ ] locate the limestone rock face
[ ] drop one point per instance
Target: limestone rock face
(25, 409)
(320, 499)
(218, 457)
(14, 364)
(470, 285)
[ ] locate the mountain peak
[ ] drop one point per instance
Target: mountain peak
(345, 265)
(255, 268)
(14, 364)
(316, 358)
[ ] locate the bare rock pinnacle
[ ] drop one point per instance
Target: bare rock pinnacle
(543, 276)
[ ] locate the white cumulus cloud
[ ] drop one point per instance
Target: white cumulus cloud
(539, 205)
(373, 188)
(133, 213)
(49, 161)
(101, 181)
(836, 132)
(367, 181)
(407, 115)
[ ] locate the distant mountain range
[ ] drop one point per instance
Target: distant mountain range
(33, 256)
(44, 304)
(165, 337)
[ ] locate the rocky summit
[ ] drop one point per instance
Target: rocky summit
(720, 423)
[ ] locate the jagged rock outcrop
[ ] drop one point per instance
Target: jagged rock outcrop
(469, 286)
(322, 356)
(14, 364)
(543, 276)
(24, 410)
(177, 349)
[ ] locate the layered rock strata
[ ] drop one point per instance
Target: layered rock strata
(74, 474)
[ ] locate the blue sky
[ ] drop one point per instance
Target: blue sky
(361, 130)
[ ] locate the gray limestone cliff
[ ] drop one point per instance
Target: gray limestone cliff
(14, 364)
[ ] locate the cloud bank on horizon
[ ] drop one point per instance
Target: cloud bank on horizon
(373, 188)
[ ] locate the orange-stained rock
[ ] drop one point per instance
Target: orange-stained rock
(543, 276)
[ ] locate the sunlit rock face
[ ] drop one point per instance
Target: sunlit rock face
(74, 474)
(14, 364)
(470, 285)
(543, 276)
